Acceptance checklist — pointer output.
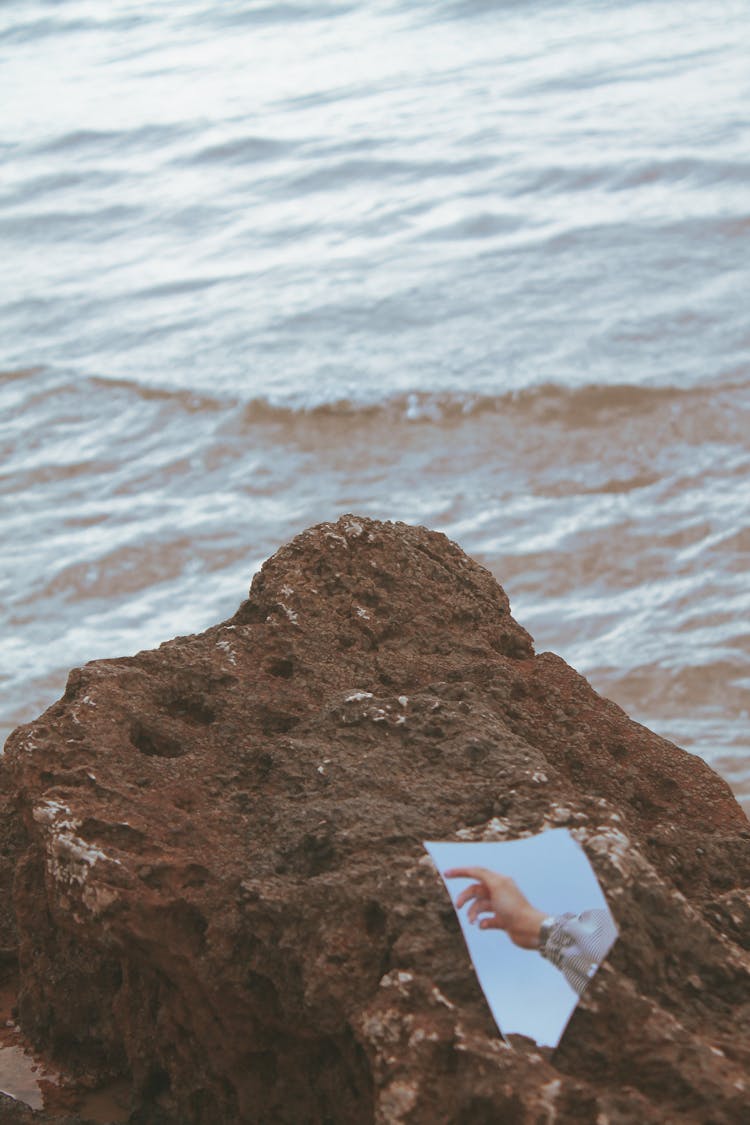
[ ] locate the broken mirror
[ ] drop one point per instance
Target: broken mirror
(536, 924)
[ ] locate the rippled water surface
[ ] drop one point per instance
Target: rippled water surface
(482, 266)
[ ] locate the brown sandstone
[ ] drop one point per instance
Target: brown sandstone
(219, 888)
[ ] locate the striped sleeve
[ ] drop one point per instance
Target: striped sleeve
(577, 944)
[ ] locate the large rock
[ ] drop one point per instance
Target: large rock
(220, 886)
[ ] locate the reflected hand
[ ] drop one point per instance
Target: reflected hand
(499, 896)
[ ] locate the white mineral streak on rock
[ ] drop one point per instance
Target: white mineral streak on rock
(362, 613)
(396, 978)
(69, 858)
(468, 1042)
(466, 833)
(442, 999)
(27, 745)
(397, 1101)
(494, 827)
(47, 812)
(403, 700)
(548, 1095)
(358, 696)
(353, 528)
(227, 648)
(609, 842)
(490, 830)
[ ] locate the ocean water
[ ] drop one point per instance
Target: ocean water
(482, 266)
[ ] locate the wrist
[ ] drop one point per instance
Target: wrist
(525, 931)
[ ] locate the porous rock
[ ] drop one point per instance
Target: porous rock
(220, 887)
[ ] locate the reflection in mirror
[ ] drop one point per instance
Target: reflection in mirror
(536, 924)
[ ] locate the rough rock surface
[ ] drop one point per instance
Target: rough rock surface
(16, 1113)
(220, 886)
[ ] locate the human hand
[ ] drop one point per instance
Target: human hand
(499, 896)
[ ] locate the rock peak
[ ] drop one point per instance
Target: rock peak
(386, 580)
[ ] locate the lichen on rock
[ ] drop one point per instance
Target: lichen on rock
(219, 887)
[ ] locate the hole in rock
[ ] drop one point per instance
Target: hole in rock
(193, 708)
(313, 854)
(276, 722)
(375, 919)
(478, 752)
(118, 835)
(265, 998)
(283, 667)
(154, 743)
(619, 751)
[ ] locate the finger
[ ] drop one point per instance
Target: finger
(476, 890)
(492, 923)
(481, 906)
(467, 873)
